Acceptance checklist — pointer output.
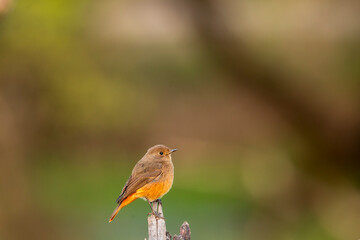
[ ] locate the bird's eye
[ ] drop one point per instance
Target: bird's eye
(161, 153)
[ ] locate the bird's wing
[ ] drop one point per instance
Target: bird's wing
(141, 175)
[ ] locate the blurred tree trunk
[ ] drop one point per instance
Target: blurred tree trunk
(333, 143)
(19, 216)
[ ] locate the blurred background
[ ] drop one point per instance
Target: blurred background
(260, 97)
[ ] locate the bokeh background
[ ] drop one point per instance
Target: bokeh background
(260, 97)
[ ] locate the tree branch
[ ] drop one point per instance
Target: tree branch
(157, 226)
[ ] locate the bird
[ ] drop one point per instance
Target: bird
(151, 178)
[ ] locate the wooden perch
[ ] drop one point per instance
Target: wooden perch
(157, 227)
(184, 232)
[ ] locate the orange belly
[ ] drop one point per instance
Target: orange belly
(155, 190)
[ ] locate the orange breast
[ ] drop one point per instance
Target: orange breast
(154, 190)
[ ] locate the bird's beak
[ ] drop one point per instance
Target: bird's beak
(173, 150)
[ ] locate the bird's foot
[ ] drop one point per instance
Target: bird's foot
(156, 215)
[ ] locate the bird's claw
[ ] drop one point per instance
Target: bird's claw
(156, 215)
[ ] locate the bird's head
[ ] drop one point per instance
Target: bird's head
(160, 152)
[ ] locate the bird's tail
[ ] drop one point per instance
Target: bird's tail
(117, 209)
(122, 204)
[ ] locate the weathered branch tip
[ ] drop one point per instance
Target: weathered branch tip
(157, 227)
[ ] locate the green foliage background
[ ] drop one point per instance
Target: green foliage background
(87, 86)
